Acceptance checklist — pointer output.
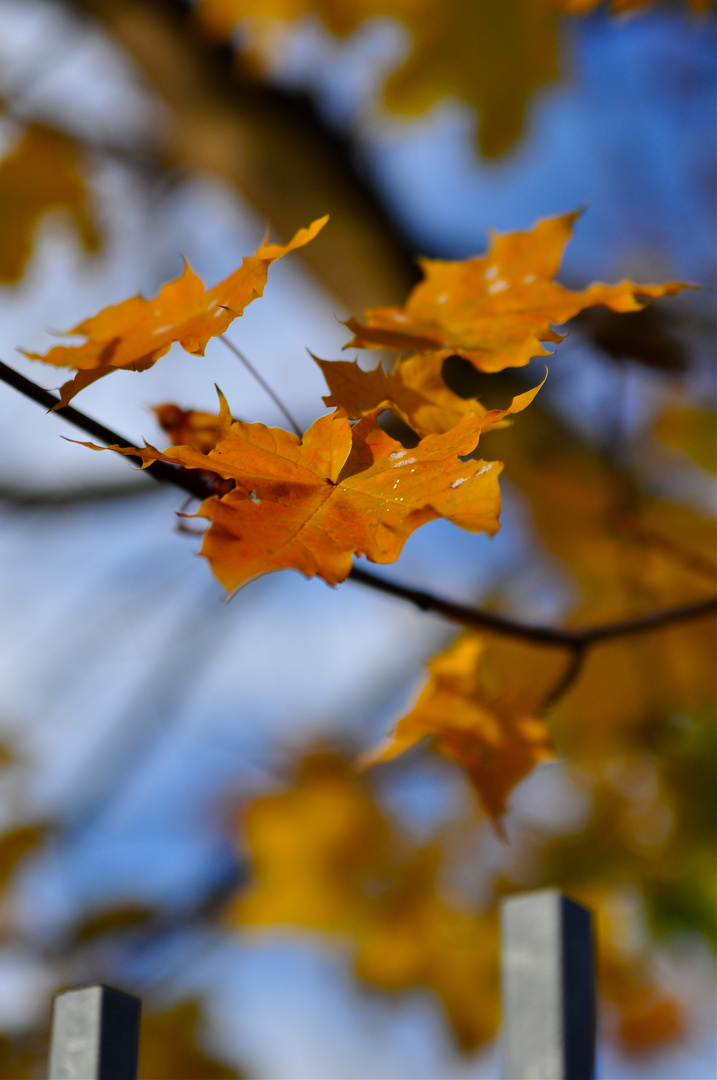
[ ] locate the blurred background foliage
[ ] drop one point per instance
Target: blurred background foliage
(182, 812)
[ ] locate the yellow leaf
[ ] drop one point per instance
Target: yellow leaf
(628, 554)
(169, 1047)
(220, 17)
(423, 941)
(628, 687)
(7, 756)
(15, 845)
(136, 333)
(625, 555)
(315, 848)
(489, 725)
(493, 55)
(415, 391)
(692, 430)
(41, 173)
(325, 858)
(496, 310)
(188, 427)
(21, 1058)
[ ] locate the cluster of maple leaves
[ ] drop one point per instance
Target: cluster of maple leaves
(346, 488)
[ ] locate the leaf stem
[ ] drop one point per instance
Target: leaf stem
(576, 639)
(263, 384)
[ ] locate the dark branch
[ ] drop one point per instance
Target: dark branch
(576, 639)
(60, 498)
(570, 674)
(159, 470)
(470, 617)
(653, 620)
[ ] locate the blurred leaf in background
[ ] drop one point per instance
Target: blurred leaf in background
(44, 171)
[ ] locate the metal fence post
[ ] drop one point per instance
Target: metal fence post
(95, 1035)
(548, 988)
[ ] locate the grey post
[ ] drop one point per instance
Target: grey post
(95, 1035)
(548, 988)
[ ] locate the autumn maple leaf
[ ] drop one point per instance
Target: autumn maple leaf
(496, 310)
(494, 731)
(310, 504)
(136, 333)
(189, 427)
(415, 391)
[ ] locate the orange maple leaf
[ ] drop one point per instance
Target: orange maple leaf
(496, 310)
(200, 430)
(493, 731)
(189, 427)
(415, 391)
(310, 504)
(137, 332)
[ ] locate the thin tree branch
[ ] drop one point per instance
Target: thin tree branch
(78, 495)
(160, 470)
(570, 673)
(470, 617)
(577, 639)
(654, 620)
(567, 637)
(263, 384)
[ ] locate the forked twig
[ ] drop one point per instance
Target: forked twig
(570, 674)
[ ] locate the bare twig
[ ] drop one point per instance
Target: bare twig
(263, 384)
(576, 639)
(60, 498)
(572, 669)
(159, 470)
